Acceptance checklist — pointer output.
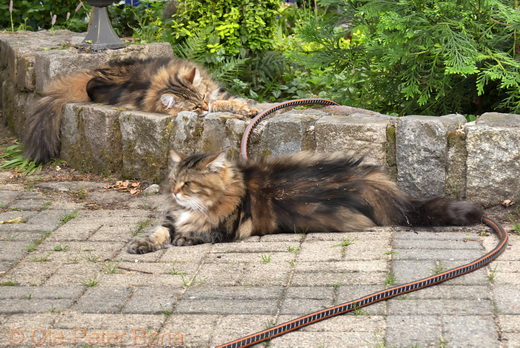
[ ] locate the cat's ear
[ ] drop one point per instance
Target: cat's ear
(176, 157)
(168, 100)
(194, 77)
(218, 162)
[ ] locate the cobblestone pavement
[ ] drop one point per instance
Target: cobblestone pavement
(67, 280)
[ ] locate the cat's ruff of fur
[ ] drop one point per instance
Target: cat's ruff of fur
(215, 200)
(161, 85)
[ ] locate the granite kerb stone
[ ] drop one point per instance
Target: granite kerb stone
(493, 162)
(421, 153)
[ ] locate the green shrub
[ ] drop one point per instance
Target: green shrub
(229, 26)
(45, 14)
(416, 56)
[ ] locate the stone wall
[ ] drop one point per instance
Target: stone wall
(427, 156)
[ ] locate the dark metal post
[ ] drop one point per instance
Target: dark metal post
(100, 33)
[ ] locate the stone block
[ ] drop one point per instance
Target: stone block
(17, 52)
(14, 107)
(49, 64)
(25, 77)
(493, 165)
(186, 137)
(357, 135)
(235, 130)
(286, 133)
(91, 138)
(456, 164)
(222, 133)
(146, 142)
(421, 153)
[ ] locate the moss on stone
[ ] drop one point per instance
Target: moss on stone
(391, 153)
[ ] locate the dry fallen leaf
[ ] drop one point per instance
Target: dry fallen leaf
(18, 220)
(125, 186)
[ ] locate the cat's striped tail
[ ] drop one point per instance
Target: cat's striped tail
(41, 139)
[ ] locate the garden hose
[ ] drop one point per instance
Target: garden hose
(382, 295)
(255, 120)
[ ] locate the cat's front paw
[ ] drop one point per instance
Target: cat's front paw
(248, 111)
(141, 246)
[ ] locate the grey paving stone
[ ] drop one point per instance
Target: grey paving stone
(468, 331)
(103, 300)
(229, 327)
(507, 299)
(126, 322)
(330, 339)
(75, 274)
(411, 270)
(414, 331)
(438, 254)
(440, 307)
(40, 292)
(509, 322)
(153, 300)
(31, 273)
(197, 330)
(15, 306)
(30, 201)
(324, 278)
(302, 300)
(12, 251)
(7, 197)
(456, 243)
(230, 300)
(350, 292)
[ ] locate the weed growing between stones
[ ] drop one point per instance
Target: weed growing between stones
(141, 226)
(390, 279)
(438, 267)
(493, 273)
(13, 159)
(346, 242)
(66, 218)
(8, 283)
(266, 258)
(90, 283)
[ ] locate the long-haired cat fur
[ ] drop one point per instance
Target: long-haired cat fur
(213, 200)
(162, 85)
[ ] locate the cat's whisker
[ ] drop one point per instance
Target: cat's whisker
(191, 203)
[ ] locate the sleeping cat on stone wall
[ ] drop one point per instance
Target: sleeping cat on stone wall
(163, 85)
(214, 200)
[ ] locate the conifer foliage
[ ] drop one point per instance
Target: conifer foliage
(418, 56)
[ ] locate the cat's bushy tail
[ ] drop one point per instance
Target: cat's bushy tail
(440, 211)
(41, 139)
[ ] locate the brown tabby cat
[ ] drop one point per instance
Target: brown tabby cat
(215, 200)
(163, 85)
